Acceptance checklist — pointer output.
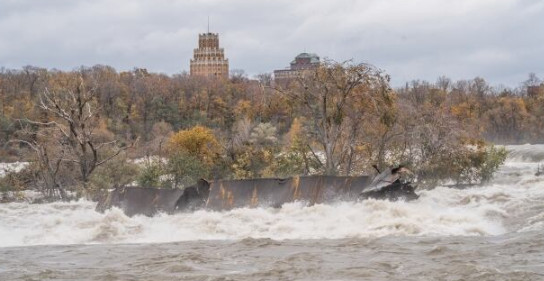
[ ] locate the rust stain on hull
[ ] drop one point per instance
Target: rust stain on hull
(254, 198)
(295, 187)
(230, 199)
(222, 191)
(228, 194)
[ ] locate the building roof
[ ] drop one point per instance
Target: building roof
(313, 57)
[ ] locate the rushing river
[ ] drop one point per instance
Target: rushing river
(492, 232)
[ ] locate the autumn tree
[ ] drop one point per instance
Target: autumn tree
(295, 158)
(81, 141)
(508, 119)
(199, 142)
(257, 152)
(329, 96)
(439, 140)
(49, 154)
(337, 119)
(193, 154)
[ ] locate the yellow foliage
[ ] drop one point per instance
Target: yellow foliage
(101, 133)
(296, 127)
(464, 110)
(199, 142)
(243, 108)
(295, 132)
(254, 163)
(20, 108)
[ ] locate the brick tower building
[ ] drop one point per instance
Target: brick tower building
(209, 60)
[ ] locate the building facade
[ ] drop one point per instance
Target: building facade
(303, 61)
(209, 60)
(535, 91)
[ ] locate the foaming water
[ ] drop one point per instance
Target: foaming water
(526, 152)
(75, 223)
(511, 203)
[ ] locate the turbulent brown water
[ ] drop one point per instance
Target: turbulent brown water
(492, 232)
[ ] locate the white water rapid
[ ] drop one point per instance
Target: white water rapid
(512, 202)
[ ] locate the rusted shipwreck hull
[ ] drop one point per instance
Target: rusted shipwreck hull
(229, 194)
(149, 201)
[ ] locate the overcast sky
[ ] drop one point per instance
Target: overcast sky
(499, 40)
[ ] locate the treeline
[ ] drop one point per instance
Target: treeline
(82, 129)
(498, 114)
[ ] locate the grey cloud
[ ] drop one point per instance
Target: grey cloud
(501, 41)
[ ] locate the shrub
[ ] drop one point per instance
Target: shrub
(491, 159)
(185, 169)
(150, 174)
(464, 165)
(115, 173)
